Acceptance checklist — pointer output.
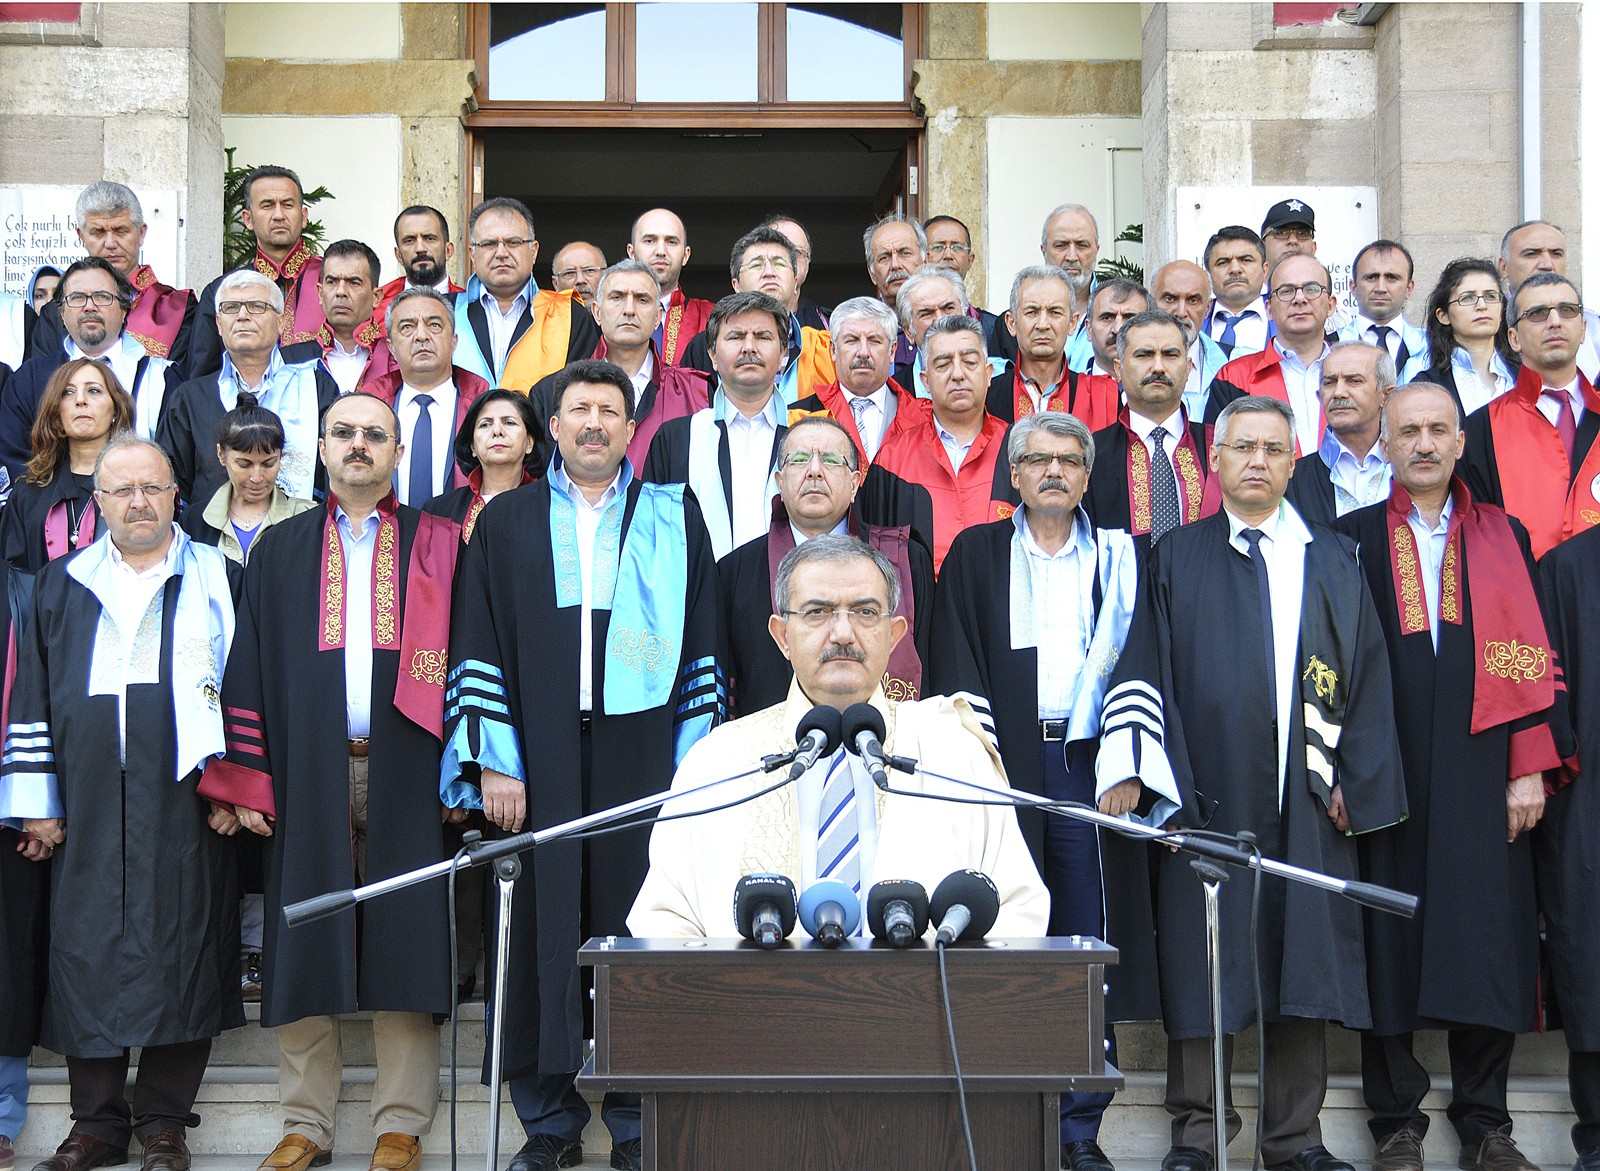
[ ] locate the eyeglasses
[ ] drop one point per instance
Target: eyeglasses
(1040, 460)
(952, 249)
(764, 263)
(1539, 314)
(126, 491)
(248, 308)
(509, 243)
(1287, 293)
(1472, 300)
(100, 298)
(1246, 448)
(345, 433)
(819, 617)
(568, 274)
(831, 460)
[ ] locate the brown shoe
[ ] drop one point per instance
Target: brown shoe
(397, 1152)
(1496, 1153)
(8, 1154)
(295, 1152)
(82, 1151)
(1401, 1151)
(166, 1150)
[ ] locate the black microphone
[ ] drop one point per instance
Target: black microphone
(764, 908)
(816, 736)
(897, 911)
(863, 734)
(965, 905)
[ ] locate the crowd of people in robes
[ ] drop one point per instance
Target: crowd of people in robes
(1216, 552)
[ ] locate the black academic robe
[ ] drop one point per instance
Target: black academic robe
(506, 617)
(758, 674)
(1311, 491)
(152, 958)
(1567, 842)
(1106, 498)
(22, 522)
(392, 954)
(1480, 465)
(972, 654)
(1198, 622)
(1471, 954)
(47, 334)
(24, 906)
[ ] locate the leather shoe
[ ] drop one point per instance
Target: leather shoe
(396, 1152)
(1186, 1159)
(1401, 1151)
(82, 1151)
(8, 1154)
(1587, 1161)
(628, 1156)
(1317, 1158)
(544, 1151)
(165, 1150)
(1496, 1152)
(295, 1152)
(1085, 1155)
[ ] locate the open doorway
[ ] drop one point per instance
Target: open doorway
(590, 184)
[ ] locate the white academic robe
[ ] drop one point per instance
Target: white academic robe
(695, 862)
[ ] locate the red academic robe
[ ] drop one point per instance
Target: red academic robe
(380, 361)
(158, 312)
(909, 413)
(681, 324)
(297, 276)
(1259, 373)
(389, 292)
(1094, 399)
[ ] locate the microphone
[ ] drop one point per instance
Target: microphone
(965, 905)
(897, 911)
(816, 736)
(830, 911)
(764, 908)
(862, 731)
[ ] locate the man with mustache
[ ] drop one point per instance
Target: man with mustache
(660, 240)
(1031, 614)
(1040, 378)
(575, 267)
(1152, 475)
(1453, 580)
(819, 473)
(896, 247)
(1253, 694)
(617, 577)
(354, 351)
(95, 298)
(1070, 241)
(1182, 288)
(1350, 470)
(1237, 320)
(422, 248)
(335, 700)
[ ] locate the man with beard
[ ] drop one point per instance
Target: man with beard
(354, 351)
(1182, 289)
(1237, 320)
(896, 247)
(422, 247)
(600, 565)
(660, 240)
(576, 266)
(1039, 323)
(1070, 240)
(1350, 470)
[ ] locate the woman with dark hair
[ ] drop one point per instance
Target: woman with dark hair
(42, 286)
(250, 442)
(52, 511)
(1467, 334)
(495, 448)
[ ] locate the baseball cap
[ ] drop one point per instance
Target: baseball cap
(1289, 211)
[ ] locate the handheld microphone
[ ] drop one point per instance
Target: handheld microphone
(816, 736)
(897, 911)
(764, 908)
(830, 911)
(863, 732)
(965, 905)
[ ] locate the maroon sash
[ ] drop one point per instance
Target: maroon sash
(1199, 494)
(302, 268)
(57, 539)
(157, 314)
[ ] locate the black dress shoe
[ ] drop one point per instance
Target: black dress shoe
(1587, 1161)
(80, 1152)
(1085, 1155)
(166, 1150)
(628, 1156)
(1317, 1158)
(1186, 1159)
(544, 1151)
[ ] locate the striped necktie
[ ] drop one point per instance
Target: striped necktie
(838, 831)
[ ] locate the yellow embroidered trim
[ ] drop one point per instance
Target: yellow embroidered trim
(1412, 616)
(1515, 661)
(383, 586)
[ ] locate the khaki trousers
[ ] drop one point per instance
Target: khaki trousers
(311, 1062)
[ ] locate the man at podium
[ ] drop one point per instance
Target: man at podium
(835, 601)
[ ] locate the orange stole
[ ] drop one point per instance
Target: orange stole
(1534, 467)
(542, 349)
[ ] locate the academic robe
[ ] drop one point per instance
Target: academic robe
(1311, 491)
(553, 330)
(684, 320)
(973, 656)
(380, 360)
(161, 319)
(758, 674)
(288, 757)
(1198, 623)
(832, 400)
(671, 393)
(36, 524)
(151, 958)
(673, 460)
(469, 389)
(297, 277)
(807, 367)
(1094, 399)
(513, 706)
(1471, 954)
(24, 885)
(1260, 373)
(388, 292)
(1119, 495)
(462, 505)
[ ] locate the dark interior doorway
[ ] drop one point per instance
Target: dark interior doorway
(590, 184)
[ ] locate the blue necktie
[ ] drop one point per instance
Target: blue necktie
(1229, 321)
(1164, 513)
(420, 490)
(838, 834)
(1401, 358)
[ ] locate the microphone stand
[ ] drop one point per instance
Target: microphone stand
(504, 854)
(1212, 877)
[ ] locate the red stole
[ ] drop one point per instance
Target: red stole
(679, 392)
(57, 539)
(1514, 669)
(686, 318)
(421, 634)
(393, 289)
(469, 389)
(1535, 474)
(1199, 494)
(1262, 373)
(380, 361)
(297, 276)
(1022, 401)
(157, 314)
(475, 506)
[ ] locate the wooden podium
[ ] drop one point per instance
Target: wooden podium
(806, 1059)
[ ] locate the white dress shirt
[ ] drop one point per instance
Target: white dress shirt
(1173, 423)
(955, 448)
(1551, 409)
(808, 796)
(502, 325)
(1430, 551)
(1356, 482)
(588, 520)
(750, 440)
(346, 365)
(642, 378)
(358, 551)
(128, 607)
(442, 413)
(1249, 335)
(873, 420)
(1283, 549)
(1060, 623)
(1470, 386)
(1303, 384)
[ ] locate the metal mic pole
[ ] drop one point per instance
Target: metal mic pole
(506, 872)
(1212, 878)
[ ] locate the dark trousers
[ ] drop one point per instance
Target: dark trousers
(1297, 1081)
(1583, 1078)
(163, 1091)
(1394, 1083)
(1077, 900)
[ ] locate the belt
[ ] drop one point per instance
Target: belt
(1052, 731)
(585, 721)
(358, 748)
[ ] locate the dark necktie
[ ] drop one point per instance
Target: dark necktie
(1264, 592)
(1403, 355)
(1164, 514)
(1566, 422)
(1229, 322)
(420, 490)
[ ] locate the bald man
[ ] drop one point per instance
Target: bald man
(577, 267)
(660, 240)
(1182, 289)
